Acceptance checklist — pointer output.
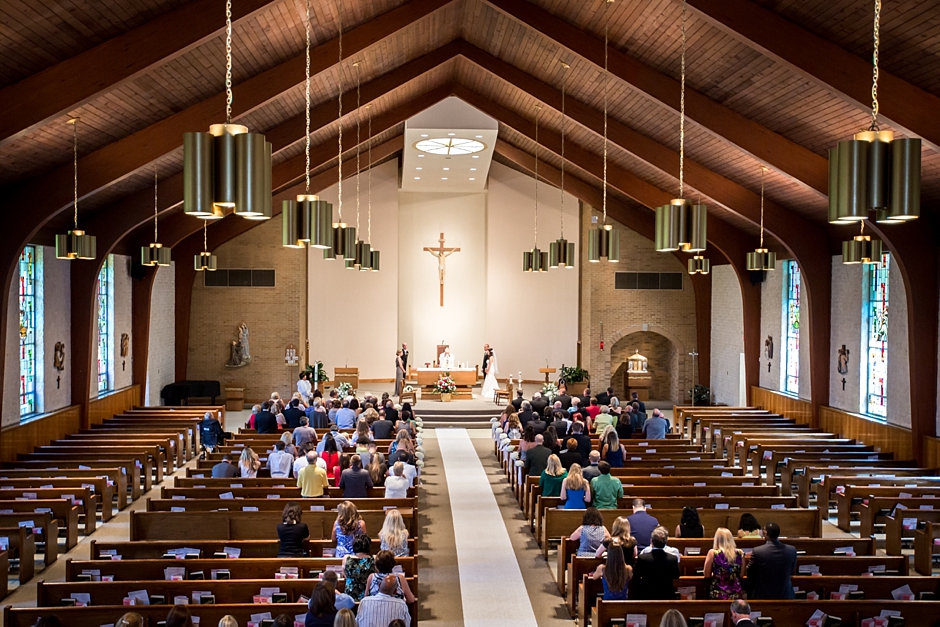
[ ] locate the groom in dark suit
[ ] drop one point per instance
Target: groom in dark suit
(404, 357)
(486, 358)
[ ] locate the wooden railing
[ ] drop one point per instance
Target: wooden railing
(778, 403)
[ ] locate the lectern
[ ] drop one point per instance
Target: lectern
(347, 375)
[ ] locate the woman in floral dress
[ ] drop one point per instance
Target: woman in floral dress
(724, 564)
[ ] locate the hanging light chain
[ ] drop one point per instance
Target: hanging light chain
(682, 112)
(564, 78)
(340, 118)
(538, 109)
(205, 235)
(228, 62)
(74, 123)
(606, 82)
(369, 107)
(155, 202)
(874, 76)
(358, 140)
(762, 171)
(307, 102)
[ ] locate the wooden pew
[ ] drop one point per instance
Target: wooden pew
(169, 444)
(49, 531)
(873, 512)
(156, 549)
(733, 442)
(86, 500)
(180, 434)
(262, 493)
(21, 545)
(114, 475)
(895, 532)
(830, 483)
(100, 486)
(806, 474)
(850, 498)
(63, 511)
(137, 479)
(276, 505)
(150, 457)
(779, 458)
(926, 545)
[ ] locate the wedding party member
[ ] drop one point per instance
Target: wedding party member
(490, 384)
(399, 373)
(404, 356)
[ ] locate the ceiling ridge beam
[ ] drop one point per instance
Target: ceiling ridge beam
(904, 105)
(765, 145)
(69, 84)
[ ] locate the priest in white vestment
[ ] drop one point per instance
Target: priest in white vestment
(445, 359)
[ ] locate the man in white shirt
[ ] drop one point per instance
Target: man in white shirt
(304, 388)
(381, 609)
(668, 549)
(280, 461)
(396, 485)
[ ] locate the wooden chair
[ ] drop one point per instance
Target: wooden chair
(503, 394)
(409, 397)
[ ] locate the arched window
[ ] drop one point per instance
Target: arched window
(875, 400)
(791, 331)
(105, 291)
(29, 306)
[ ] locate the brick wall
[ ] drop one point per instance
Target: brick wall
(661, 355)
(668, 313)
(274, 315)
(727, 333)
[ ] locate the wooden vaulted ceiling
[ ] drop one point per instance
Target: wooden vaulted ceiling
(755, 97)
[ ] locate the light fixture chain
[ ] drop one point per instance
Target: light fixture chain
(606, 83)
(564, 78)
(682, 112)
(874, 77)
(340, 118)
(762, 171)
(205, 235)
(307, 102)
(75, 169)
(358, 142)
(155, 202)
(538, 110)
(228, 62)
(370, 174)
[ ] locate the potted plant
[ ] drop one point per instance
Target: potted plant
(445, 386)
(576, 379)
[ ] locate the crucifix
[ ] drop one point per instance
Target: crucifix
(441, 253)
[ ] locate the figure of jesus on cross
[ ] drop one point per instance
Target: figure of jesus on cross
(441, 253)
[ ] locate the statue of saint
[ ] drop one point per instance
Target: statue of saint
(235, 359)
(243, 342)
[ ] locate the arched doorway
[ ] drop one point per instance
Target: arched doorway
(664, 364)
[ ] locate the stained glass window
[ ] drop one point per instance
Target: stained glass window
(29, 399)
(791, 357)
(876, 312)
(105, 290)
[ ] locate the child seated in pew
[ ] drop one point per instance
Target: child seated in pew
(620, 531)
(348, 526)
(614, 573)
(394, 534)
(591, 534)
(384, 565)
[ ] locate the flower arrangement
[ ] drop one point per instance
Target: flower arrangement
(550, 391)
(408, 389)
(344, 389)
(445, 384)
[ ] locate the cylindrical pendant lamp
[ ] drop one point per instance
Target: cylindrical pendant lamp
(349, 233)
(198, 178)
(905, 179)
(594, 245)
(527, 261)
(76, 244)
(205, 261)
(290, 225)
(250, 180)
(154, 255)
(376, 260)
(322, 234)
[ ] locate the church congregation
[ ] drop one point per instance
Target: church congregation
(268, 356)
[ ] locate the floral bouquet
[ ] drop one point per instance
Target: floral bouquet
(344, 389)
(408, 389)
(445, 384)
(550, 391)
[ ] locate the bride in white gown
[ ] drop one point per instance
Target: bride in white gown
(489, 382)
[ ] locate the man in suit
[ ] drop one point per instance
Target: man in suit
(293, 414)
(655, 572)
(636, 399)
(603, 398)
(390, 412)
(404, 357)
(570, 455)
(770, 567)
(585, 398)
(642, 525)
(538, 425)
(517, 402)
(592, 469)
(584, 441)
(564, 399)
(486, 358)
(741, 614)
(539, 403)
(526, 415)
(265, 421)
(225, 469)
(561, 423)
(536, 458)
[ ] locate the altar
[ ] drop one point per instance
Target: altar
(465, 378)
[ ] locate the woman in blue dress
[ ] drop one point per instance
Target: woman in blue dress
(575, 489)
(614, 574)
(612, 450)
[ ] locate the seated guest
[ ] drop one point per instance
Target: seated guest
(394, 534)
(335, 406)
(741, 614)
(603, 398)
(382, 428)
(321, 609)
(538, 403)
(383, 608)
(211, 431)
(345, 416)
(575, 489)
(538, 424)
(304, 434)
(384, 564)
(526, 414)
(536, 457)
(513, 427)
(690, 526)
(576, 431)
(552, 477)
(280, 461)
(770, 567)
(363, 432)
(615, 574)
(655, 572)
(404, 443)
(287, 438)
(570, 454)
(312, 479)
(593, 409)
(624, 425)
(377, 467)
(355, 481)
(357, 566)
(265, 421)
(748, 527)
(396, 484)
(338, 438)
(592, 470)
(550, 440)
(620, 531)
(226, 621)
(179, 616)
(248, 464)
(527, 441)
(656, 427)
(605, 489)
(591, 534)
(345, 618)
(518, 401)
(342, 601)
(642, 524)
(602, 418)
(348, 526)
(332, 455)
(133, 619)
(668, 549)
(612, 451)
(724, 564)
(225, 469)
(673, 618)
(291, 532)
(293, 414)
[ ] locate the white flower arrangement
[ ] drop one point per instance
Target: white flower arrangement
(344, 389)
(550, 391)
(408, 389)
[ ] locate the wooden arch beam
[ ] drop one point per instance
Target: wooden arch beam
(769, 147)
(907, 107)
(67, 85)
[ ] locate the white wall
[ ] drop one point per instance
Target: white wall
(771, 295)
(123, 312)
(899, 365)
(846, 328)
(161, 352)
(526, 327)
(353, 316)
(727, 336)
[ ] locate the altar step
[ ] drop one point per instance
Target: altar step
(453, 415)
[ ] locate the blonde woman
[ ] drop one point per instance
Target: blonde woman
(248, 464)
(552, 477)
(673, 618)
(349, 524)
(575, 489)
(402, 443)
(228, 621)
(621, 531)
(724, 564)
(363, 433)
(288, 439)
(394, 534)
(345, 618)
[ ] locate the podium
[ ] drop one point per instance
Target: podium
(346, 375)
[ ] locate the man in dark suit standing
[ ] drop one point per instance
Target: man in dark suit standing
(655, 572)
(741, 614)
(293, 414)
(565, 400)
(265, 421)
(585, 398)
(536, 458)
(404, 357)
(561, 425)
(570, 455)
(603, 398)
(771, 566)
(526, 414)
(486, 358)
(517, 402)
(642, 525)
(539, 403)
(538, 425)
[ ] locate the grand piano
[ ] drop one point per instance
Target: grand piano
(180, 392)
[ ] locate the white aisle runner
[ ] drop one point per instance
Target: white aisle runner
(491, 583)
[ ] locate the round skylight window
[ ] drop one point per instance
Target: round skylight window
(451, 146)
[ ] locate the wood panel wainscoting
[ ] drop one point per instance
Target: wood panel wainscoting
(23, 437)
(931, 452)
(783, 404)
(110, 403)
(888, 438)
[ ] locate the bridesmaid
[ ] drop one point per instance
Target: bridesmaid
(399, 373)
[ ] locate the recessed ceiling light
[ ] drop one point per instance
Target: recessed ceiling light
(424, 135)
(417, 178)
(472, 179)
(419, 168)
(443, 178)
(446, 169)
(420, 156)
(476, 156)
(473, 169)
(479, 137)
(451, 134)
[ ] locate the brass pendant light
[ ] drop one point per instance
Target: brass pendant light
(535, 260)
(862, 249)
(308, 221)
(375, 256)
(604, 240)
(873, 171)
(228, 167)
(699, 265)
(344, 236)
(561, 253)
(76, 244)
(205, 260)
(155, 254)
(680, 225)
(761, 258)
